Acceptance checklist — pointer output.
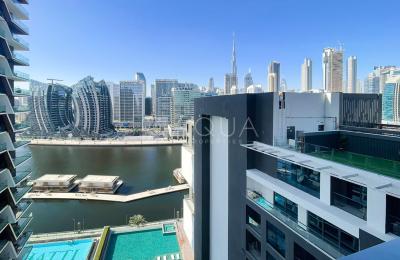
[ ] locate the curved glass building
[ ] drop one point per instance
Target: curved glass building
(14, 155)
(92, 108)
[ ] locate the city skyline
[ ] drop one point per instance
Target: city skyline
(209, 44)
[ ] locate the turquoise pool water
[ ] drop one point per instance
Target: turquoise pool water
(141, 245)
(66, 250)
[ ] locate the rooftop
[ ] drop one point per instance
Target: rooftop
(100, 178)
(56, 177)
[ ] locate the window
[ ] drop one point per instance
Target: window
(300, 253)
(269, 256)
(286, 206)
(300, 177)
(253, 219)
(253, 246)
(341, 240)
(349, 197)
(393, 215)
(276, 239)
(321, 127)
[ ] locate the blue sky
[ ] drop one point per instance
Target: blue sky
(192, 40)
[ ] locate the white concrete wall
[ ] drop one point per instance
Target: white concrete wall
(188, 221)
(325, 188)
(219, 189)
(305, 111)
(376, 210)
(187, 164)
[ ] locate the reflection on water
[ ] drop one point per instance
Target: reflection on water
(141, 168)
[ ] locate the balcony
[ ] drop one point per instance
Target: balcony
(3, 109)
(20, 245)
(21, 127)
(18, 193)
(3, 147)
(349, 197)
(295, 226)
(21, 9)
(22, 175)
(23, 28)
(20, 59)
(19, 92)
(22, 208)
(24, 44)
(20, 143)
(22, 155)
(21, 108)
(21, 225)
(21, 76)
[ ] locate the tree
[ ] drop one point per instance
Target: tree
(137, 220)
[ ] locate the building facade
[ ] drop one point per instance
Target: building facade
(306, 75)
(267, 186)
(182, 107)
(92, 108)
(231, 79)
(248, 80)
(131, 104)
(332, 70)
(15, 154)
(391, 101)
(274, 76)
(352, 74)
(161, 98)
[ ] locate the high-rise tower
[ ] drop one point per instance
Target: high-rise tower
(332, 69)
(306, 75)
(231, 79)
(352, 74)
(274, 74)
(14, 155)
(248, 80)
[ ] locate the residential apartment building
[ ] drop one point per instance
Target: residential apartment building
(332, 70)
(274, 76)
(161, 99)
(131, 104)
(391, 101)
(306, 75)
(182, 106)
(15, 155)
(93, 109)
(352, 74)
(287, 176)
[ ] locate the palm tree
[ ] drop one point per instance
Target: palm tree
(137, 220)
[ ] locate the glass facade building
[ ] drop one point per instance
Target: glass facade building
(15, 155)
(182, 107)
(390, 101)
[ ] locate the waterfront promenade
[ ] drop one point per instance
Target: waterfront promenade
(105, 197)
(108, 142)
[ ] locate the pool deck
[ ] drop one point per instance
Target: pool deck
(105, 197)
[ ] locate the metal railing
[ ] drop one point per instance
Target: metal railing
(350, 205)
(21, 75)
(297, 227)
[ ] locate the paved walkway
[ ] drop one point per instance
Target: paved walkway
(105, 197)
(183, 241)
(113, 142)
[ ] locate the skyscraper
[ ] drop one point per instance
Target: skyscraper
(332, 69)
(231, 79)
(248, 80)
(161, 98)
(139, 76)
(274, 74)
(182, 107)
(306, 75)
(132, 103)
(210, 87)
(391, 101)
(376, 80)
(92, 108)
(114, 90)
(15, 155)
(352, 74)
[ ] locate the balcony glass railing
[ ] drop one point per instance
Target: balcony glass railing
(18, 193)
(20, 226)
(350, 205)
(21, 127)
(393, 224)
(297, 227)
(20, 24)
(20, 143)
(22, 175)
(20, 8)
(21, 75)
(20, 245)
(3, 109)
(22, 208)
(21, 41)
(20, 57)
(3, 147)
(21, 108)
(18, 92)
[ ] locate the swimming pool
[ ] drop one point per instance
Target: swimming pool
(67, 250)
(142, 245)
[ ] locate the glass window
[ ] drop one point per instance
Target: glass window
(286, 206)
(343, 241)
(253, 246)
(300, 177)
(253, 219)
(276, 239)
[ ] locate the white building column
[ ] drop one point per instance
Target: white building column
(376, 210)
(325, 188)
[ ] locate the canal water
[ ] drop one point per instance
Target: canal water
(140, 167)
